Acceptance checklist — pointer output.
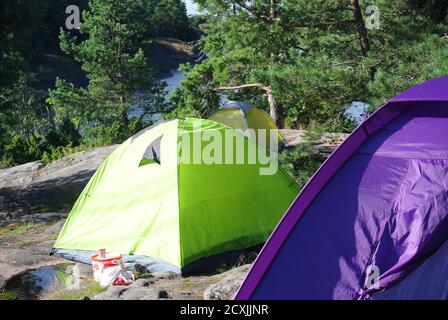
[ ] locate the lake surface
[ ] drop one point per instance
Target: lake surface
(173, 81)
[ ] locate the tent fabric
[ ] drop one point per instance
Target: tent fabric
(243, 115)
(244, 106)
(233, 118)
(380, 200)
(427, 282)
(175, 211)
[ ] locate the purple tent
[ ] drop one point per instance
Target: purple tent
(377, 206)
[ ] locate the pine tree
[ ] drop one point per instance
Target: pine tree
(111, 51)
(168, 18)
(316, 57)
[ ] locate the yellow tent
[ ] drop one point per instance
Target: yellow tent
(243, 115)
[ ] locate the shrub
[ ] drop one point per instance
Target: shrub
(300, 162)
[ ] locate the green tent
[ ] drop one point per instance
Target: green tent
(148, 200)
(243, 115)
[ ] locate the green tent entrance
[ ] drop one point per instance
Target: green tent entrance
(148, 203)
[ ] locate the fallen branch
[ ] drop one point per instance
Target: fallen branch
(250, 85)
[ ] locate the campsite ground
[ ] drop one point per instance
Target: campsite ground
(35, 199)
(25, 246)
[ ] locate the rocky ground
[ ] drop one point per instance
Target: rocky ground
(34, 198)
(34, 188)
(26, 247)
(166, 285)
(166, 54)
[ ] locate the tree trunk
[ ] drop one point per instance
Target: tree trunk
(360, 27)
(275, 110)
(50, 115)
(273, 9)
(124, 113)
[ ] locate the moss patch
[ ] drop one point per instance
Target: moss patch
(15, 229)
(7, 296)
(89, 291)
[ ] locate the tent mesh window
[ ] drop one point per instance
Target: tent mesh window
(152, 153)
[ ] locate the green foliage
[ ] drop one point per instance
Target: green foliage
(426, 59)
(113, 134)
(115, 37)
(55, 153)
(110, 47)
(16, 229)
(90, 291)
(18, 18)
(7, 295)
(28, 128)
(196, 96)
(300, 162)
(112, 55)
(168, 18)
(311, 54)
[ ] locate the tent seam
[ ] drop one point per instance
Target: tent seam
(179, 157)
(405, 158)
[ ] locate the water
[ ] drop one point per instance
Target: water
(192, 7)
(173, 81)
(357, 111)
(36, 283)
